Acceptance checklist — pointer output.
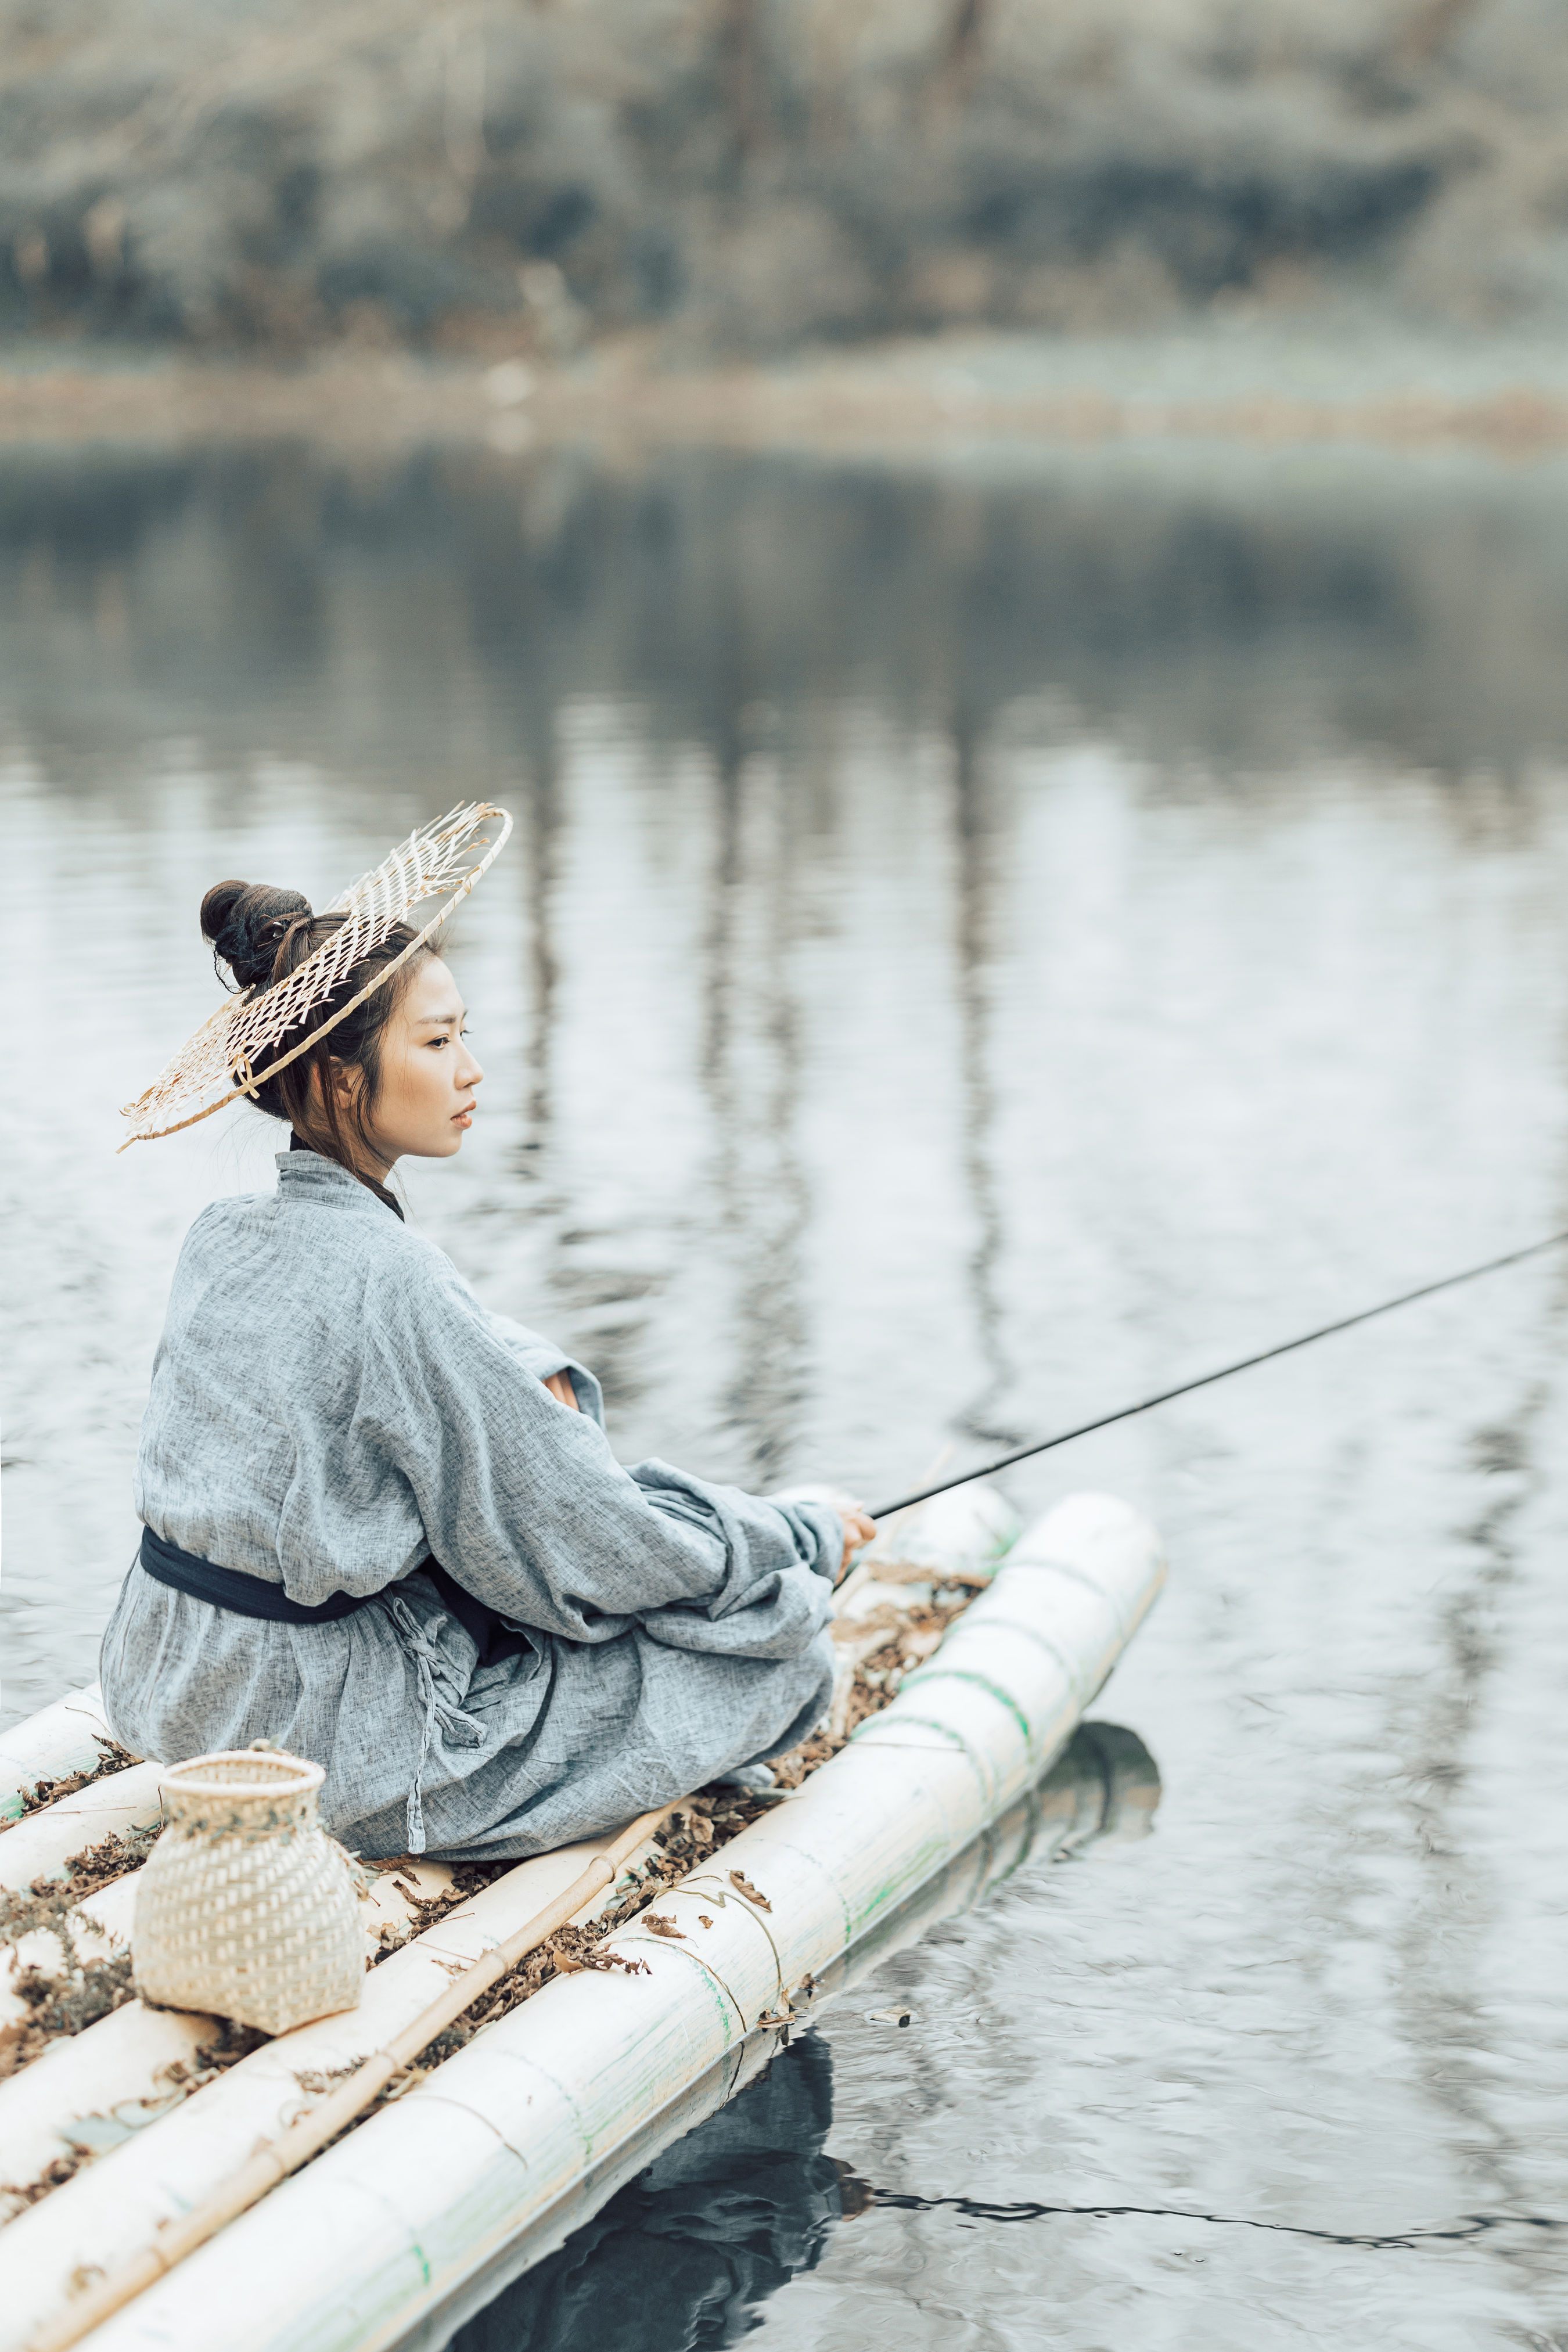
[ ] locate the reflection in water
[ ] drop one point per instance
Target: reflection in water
(1444, 1946)
(725, 2216)
(751, 1069)
(983, 939)
(1232, 607)
(974, 851)
(542, 816)
(710, 2229)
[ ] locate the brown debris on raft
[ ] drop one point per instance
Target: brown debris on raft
(54, 2176)
(71, 1998)
(63, 2004)
(111, 1758)
(692, 1833)
(468, 1879)
(97, 1866)
(180, 2080)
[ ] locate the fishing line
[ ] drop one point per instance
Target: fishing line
(1226, 1372)
(1470, 2225)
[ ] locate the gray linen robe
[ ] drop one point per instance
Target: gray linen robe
(331, 1406)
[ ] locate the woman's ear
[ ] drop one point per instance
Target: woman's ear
(347, 1080)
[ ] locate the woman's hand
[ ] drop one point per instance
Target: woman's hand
(859, 1529)
(561, 1388)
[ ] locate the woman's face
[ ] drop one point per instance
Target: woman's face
(426, 1103)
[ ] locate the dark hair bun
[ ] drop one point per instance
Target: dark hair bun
(246, 922)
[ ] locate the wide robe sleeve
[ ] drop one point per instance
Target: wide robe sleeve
(524, 1504)
(543, 1358)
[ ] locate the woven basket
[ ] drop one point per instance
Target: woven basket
(246, 1907)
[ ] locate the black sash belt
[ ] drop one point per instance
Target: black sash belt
(252, 1596)
(230, 1587)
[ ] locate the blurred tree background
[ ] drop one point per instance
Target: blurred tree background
(500, 176)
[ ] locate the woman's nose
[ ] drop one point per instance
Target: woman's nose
(470, 1073)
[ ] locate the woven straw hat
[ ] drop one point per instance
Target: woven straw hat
(231, 1053)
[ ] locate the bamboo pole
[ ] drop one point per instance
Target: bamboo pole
(276, 2158)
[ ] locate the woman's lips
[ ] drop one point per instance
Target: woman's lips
(463, 1117)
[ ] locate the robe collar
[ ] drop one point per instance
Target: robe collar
(304, 1176)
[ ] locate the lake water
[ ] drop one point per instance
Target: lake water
(982, 940)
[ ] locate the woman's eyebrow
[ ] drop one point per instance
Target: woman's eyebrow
(440, 1020)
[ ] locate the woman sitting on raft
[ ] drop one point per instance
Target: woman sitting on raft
(384, 1528)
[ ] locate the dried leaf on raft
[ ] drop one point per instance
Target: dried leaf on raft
(63, 2004)
(921, 1571)
(743, 1886)
(54, 2176)
(660, 1923)
(319, 2079)
(708, 1818)
(88, 1873)
(884, 1618)
(66, 2000)
(470, 1878)
(111, 1758)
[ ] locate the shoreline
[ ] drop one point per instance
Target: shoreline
(888, 398)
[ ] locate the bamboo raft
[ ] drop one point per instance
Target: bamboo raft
(143, 2199)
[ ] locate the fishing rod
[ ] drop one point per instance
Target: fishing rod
(1207, 1379)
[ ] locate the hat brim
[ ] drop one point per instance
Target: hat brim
(217, 1064)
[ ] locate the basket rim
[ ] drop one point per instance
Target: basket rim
(276, 1775)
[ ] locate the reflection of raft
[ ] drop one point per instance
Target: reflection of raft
(731, 2195)
(506, 2138)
